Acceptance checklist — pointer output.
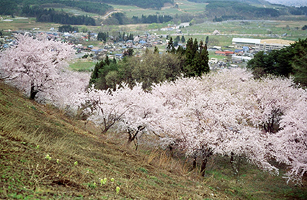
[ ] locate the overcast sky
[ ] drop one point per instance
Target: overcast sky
(290, 2)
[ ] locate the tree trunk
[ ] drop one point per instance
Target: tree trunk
(33, 92)
(203, 166)
(194, 162)
(232, 159)
(130, 137)
(234, 163)
(171, 150)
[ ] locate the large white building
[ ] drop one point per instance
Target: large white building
(261, 44)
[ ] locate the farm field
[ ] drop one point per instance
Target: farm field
(183, 7)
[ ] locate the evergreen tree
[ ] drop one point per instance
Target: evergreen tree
(89, 36)
(170, 46)
(195, 68)
(124, 37)
(277, 62)
(156, 50)
(175, 43)
(183, 39)
(196, 62)
(180, 51)
(204, 59)
(95, 73)
(99, 36)
(299, 63)
(107, 60)
(130, 37)
(195, 46)
(207, 40)
(189, 51)
(114, 61)
(102, 36)
(201, 46)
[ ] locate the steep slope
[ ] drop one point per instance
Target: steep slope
(47, 155)
(44, 154)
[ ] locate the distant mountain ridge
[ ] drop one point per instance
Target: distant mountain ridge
(263, 2)
(242, 1)
(289, 2)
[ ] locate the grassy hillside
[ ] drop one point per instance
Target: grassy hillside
(46, 155)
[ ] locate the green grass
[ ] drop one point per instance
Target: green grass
(75, 11)
(82, 65)
(184, 7)
(131, 11)
(190, 7)
(253, 29)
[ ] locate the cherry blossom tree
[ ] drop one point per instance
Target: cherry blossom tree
(127, 110)
(69, 83)
(34, 65)
(290, 146)
(225, 113)
(206, 116)
(229, 113)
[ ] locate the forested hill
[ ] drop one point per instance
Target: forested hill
(237, 9)
(18, 7)
(9, 7)
(157, 4)
(242, 1)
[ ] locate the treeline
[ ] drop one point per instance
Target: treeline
(298, 10)
(151, 19)
(68, 28)
(177, 40)
(50, 15)
(103, 36)
(87, 6)
(152, 67)
(238, 10)
(8, 7)
(289, 61)
(242, 9)
(99, 8)
(121, 19)
(209, 1)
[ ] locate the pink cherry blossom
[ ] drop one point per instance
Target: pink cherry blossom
(34, 65)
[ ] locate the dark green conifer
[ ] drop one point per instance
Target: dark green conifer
(107, 60)
(156, 50)
(95, 73)
(170, 46)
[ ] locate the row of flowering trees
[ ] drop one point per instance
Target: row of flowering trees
(224, 113)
